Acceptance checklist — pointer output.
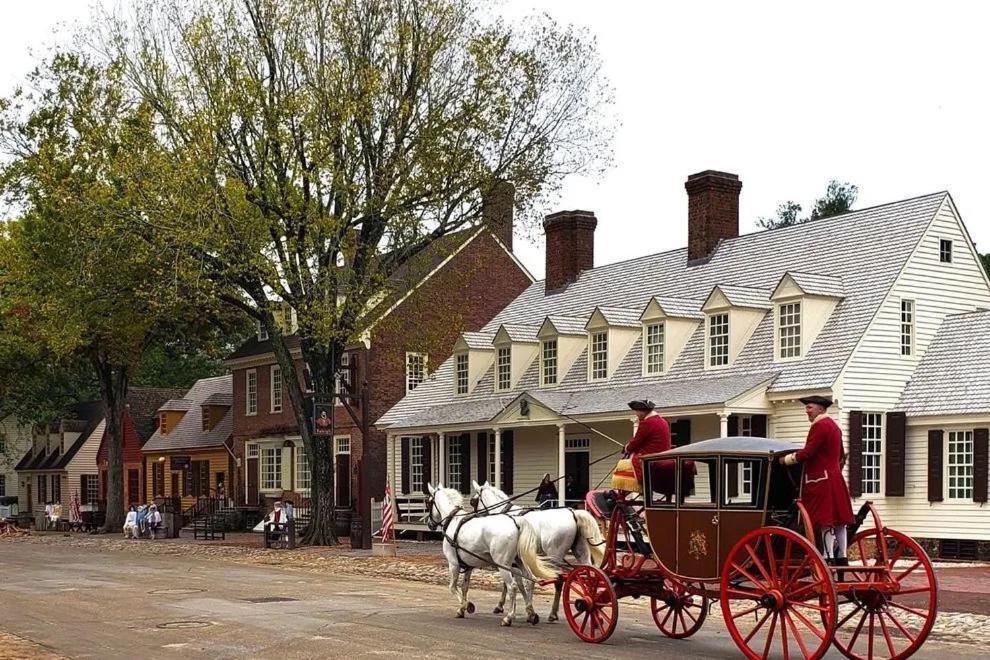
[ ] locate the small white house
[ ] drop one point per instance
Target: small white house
(15, 439)
(724, 335)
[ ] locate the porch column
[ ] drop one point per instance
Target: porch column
(442, 459)
(498, 458)
(723, 424)
(561, 453)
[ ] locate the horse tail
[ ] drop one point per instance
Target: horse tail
(527, 548)
(590, 533)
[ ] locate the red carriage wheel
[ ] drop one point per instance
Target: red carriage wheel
(886, 621)
(590, 604)
(777, 596)
(677, 613)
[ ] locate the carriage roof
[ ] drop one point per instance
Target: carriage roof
(733, 446)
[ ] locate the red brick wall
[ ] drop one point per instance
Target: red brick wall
(570, 247)
(713, 211)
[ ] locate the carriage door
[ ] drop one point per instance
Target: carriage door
(743, 489)
(698, 519)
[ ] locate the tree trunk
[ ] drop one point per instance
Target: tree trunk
(323, 362)
(113, 392)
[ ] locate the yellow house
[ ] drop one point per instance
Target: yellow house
(189, 455)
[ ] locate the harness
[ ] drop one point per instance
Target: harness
(468, 515)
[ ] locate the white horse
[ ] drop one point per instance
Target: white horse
(560, 530)
(470, 541)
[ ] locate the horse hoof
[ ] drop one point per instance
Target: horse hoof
(470, 608)
(506, 622)
(459, 614)
(552, 618)
(497, 610)
(533, 618)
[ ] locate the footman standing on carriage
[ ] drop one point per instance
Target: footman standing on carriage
(824, 491)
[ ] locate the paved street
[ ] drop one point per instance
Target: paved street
(80, 603)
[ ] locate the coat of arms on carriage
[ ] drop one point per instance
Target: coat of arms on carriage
(698, 544)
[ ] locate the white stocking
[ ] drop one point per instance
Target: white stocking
(841, 541)
(828, 542)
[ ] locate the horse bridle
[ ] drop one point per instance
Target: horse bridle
(485, 509)
(431, 504)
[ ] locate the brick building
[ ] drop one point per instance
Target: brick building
(458, 284)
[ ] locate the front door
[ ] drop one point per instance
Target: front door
(175, 490)
(133, 486)
(251, 475)
(30, 500)
(578, 479)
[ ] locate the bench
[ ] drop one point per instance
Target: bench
(280, 536)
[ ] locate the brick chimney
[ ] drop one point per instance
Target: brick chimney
(496, 210)
(570, 247)
(713, 212)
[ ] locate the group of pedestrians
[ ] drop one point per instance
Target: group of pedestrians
(143, 521)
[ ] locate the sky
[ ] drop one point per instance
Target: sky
(892, 97)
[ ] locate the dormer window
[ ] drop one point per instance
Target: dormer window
(653, 342)
(789, 330)
(548, 362)
(163, 423)
(718, 340)
(461, 373)
(207, 424)
(945, 251)
(503, 368)
(598, 352)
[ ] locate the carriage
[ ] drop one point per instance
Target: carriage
(725, 522)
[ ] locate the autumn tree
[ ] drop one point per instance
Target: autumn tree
(316, 147)
(839, 197)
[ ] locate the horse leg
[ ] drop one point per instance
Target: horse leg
(454, 573)
(466, 605)
(501, 601)
(558, 586)
(510, 582)
(531, 615)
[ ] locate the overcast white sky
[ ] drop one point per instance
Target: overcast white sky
(890, 96)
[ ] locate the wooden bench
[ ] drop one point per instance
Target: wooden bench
(281, 536)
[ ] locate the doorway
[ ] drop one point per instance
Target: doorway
(577, 481)
(251, 473)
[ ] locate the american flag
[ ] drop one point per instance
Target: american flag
(388, 517)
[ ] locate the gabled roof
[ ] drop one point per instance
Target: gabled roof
(219, 399)
(476, 341)
(954, 375)
(814, 284)
(566, 325)
(866, 249)
(143, 404)
(622, 317)
(517, 333)
(741, 296)
(676, 307)
(85, 417)
(177, 405)
(189, 433)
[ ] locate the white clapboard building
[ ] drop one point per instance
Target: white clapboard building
(879, 308)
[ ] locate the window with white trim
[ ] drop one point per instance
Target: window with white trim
(945, 251)
(342, 444)
(253, 451)
(548, 358)
(271, 468)
(262, 332)
(718, 340)
(416, 468)
(304, 477)
(599, 355)
(343, 379)
(92, 485)
(577, 444)
(491, 458)
(907, 327)
(163, 423)
(415, 370)
(276, 388)
(872, 452)
(251, 392)
(453, 479)
(461, 371)
(653, 340)
(959, 465)
(503, 368)
(789, 330)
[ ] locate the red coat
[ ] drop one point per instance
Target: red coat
(652, 437)
(824, 491)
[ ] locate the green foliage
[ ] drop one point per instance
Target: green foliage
(838, 198)
(986, 262)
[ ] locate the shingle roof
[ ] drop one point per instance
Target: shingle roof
(746, 296)
(85, 417)
(865, 248)
(143, 404)
(621, 316)
(518, 332)
(954, 375)
(568, 325)
(178, 405)
(818, 285)
(478, 340)
(681, 307)
(189, 433)
(219, 399)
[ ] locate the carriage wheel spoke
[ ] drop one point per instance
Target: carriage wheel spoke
(670, 613)
(917, 590)
(841, 623)
(909, 610)
(773, 625)
(783, 634)
(739, 594)
(859, 629)
(811, 606)
(900, 626)
(797, 636)
(749, 576)
(870, 639)
(584, 621)
(759, 565)
(680, 617)
(746, 611)
(797, 574)
(886, 635)
(759, 625)
(694, 619)
(908, 571)
(820, 634)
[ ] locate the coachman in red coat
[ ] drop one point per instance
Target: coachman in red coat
(824, 491)
(652, 435)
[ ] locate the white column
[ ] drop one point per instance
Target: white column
(498, 458)
(442, 459)
(723, 424)
(561, 455)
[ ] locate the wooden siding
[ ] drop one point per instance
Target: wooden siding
(219, 462)
(84, 462)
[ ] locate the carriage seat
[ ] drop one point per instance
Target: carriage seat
(601, 503)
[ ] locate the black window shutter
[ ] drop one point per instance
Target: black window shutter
(465, 441)
(427, 462)
(935, 466)
(84, 485)
(507, 461)
(406, 465)
(980, 464)
(855, 458)
(733, 426)
(894, 454)
(759, 427)
(186, 480)
(342, 479)
(482, 458)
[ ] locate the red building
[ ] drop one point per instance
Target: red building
(457, 285)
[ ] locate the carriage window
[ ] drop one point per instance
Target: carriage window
(661, 488)
(742, 480)
(699, 482)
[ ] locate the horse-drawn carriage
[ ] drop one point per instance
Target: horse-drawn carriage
(732, 528)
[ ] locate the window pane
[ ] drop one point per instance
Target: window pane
(252, 392)
(550, 362)
(417, 472)
(907, 327)
(504, 367)
(959, 466)
(945, 251)
(271, 468)
(718, 340)
(740, 482)
(872, 452)
(415, 370)
(698, 482)
(453, 463)
(304, 477)
(654, 348)
(276, 389)
(462, 373)
(599, 355)
(789, 328)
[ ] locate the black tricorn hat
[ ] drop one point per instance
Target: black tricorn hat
(642, 404)
(822, 401)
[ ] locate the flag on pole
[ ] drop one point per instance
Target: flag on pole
(388, 517)
(75, 514)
